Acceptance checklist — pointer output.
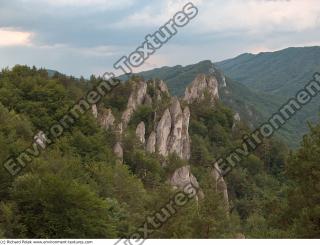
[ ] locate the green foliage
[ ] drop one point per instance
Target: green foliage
(303, 170)
(78, 189)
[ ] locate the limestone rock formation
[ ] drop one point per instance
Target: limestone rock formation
(151, 143)
(106, 119)
(140, 132)
(40, 138)
(175, 139)
(186, 141)
(183, 177)
(136, 98)
(126, 116)
(163, 131)
(172, 131)
(163, 87)
(201, 85)
(223, 83)
(236, 119)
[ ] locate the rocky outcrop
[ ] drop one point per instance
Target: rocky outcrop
(220, 183)
(106, 119)
(151, 143)
(174, 144)
(140, 132)
(236, 120)
(183, 177)
(163, 87)
(172, 134)
(236, 117)
(126, 116)
(40, 138)
(118, 151)
(185, 138)
(223, 83)
(202, 85)
(163, 131)
(136, 98)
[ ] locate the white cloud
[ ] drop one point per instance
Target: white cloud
(259, 16)
(11, 37)
(154, 15)
(251, 16)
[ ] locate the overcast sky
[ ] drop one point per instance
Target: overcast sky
(83, 37)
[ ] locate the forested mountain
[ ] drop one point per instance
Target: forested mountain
(120, 163)
(279, 75)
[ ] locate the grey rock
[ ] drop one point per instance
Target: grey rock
(182, 177)
(236, 117)
(223, 83)
(126, 116)
(106, 119)
(136, 99)
(140, 132)
(175, 138)
(186, 141)
(163, 131)
(163, 87)
(40, 138)
(236, 120)
(172, 131)
(151, 143)
(202, 84)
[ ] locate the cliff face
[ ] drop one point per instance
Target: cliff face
(172, 133)
(201, 85)
(137, 97)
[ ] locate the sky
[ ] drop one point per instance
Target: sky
(84, 37)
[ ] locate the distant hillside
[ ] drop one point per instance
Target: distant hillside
(281, 74)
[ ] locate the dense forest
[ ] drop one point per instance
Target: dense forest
(77, 188)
